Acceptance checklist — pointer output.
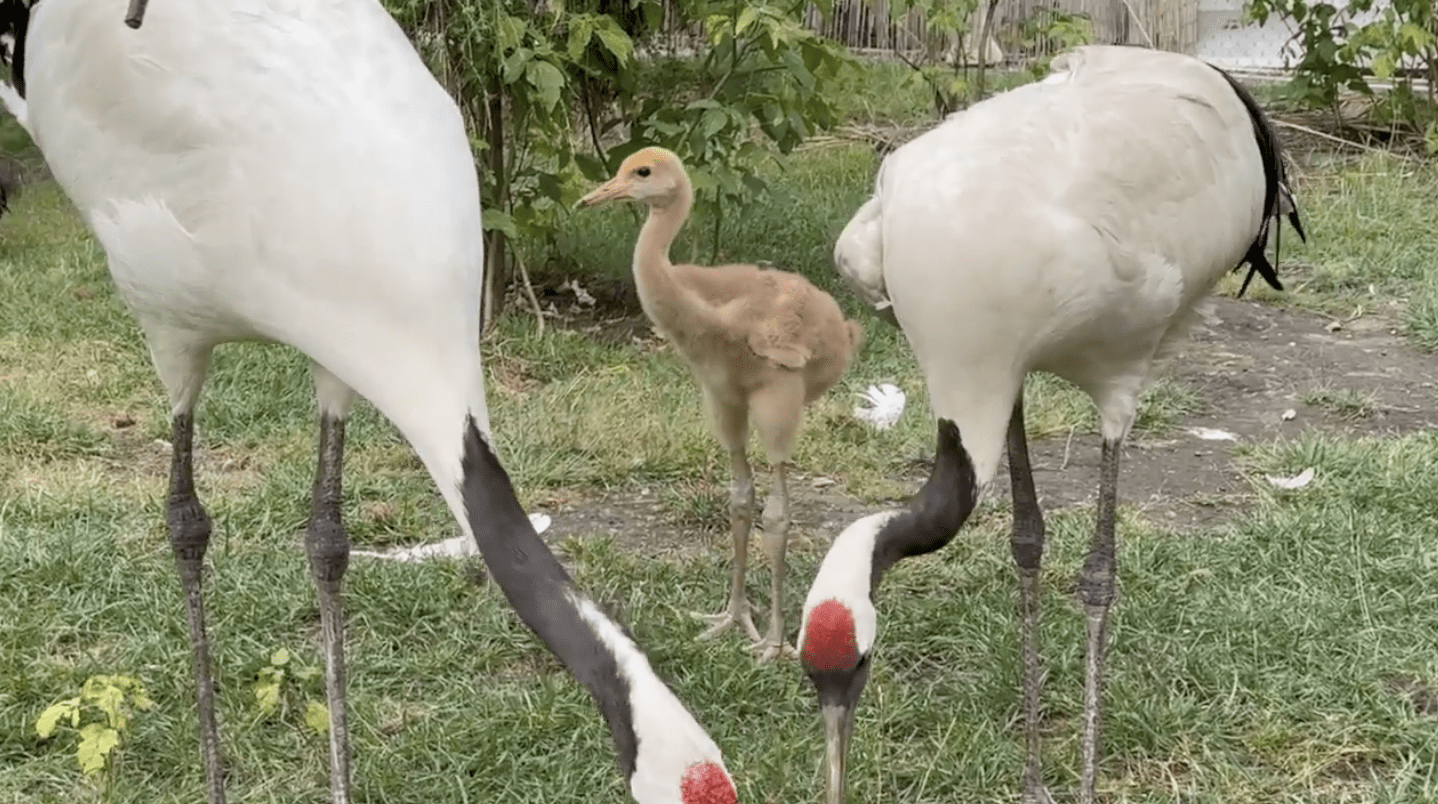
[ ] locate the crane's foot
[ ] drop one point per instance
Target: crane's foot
(726, 621)
(1038, 795)
(767, 650)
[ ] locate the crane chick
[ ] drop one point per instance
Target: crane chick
(762, 343)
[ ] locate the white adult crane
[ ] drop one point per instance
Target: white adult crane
(1073, 226)
(289, 171)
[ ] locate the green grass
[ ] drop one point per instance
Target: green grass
(1373, 227)
(1346, 402)
(1265, 661)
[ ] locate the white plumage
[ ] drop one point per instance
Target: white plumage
(1073, 226)
(288, 171)
(233, 211)
(1069, 226)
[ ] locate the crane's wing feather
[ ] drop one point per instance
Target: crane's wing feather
(772, 319)
(779, 335)
(859, 253)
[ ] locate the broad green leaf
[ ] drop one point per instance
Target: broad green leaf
(267, 690)
(515, 65)
(499, 220)
(511, 32)
(717, 28)
(317, 716)
(746, 18)
(590, 167)
(615, 40)
(1416, 36)
(653, 14)
(546, 78)
(798, 70)
(50, 718)
(96, 742)
(581, 30)
(280, 657)
(550, 186)
(712, 122)
(1383, 65)
(109, 701)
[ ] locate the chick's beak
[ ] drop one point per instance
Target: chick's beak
(608, 191)
(838, 725)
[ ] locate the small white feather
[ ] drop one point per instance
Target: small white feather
(885, 405)
(1210, 434)
(457, 547)
(1298, 481)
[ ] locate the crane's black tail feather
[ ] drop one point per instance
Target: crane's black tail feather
(1277, 196)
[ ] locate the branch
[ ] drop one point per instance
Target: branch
(1316, 133)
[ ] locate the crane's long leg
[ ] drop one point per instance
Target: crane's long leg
(741, 522)
(1027, 543)
(328, 547)
(731, 428)
(1096, 583)
(189, 537)
(776, 540)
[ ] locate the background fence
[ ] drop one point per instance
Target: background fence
(1211, 29)
(865, 27)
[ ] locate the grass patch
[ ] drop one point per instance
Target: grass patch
(1373, 224)
(1345, 402)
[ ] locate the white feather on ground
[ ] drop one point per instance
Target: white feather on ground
(457, 547)
(1298, 481)
(885, 405)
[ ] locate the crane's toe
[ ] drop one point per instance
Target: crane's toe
(725, 621)
(1038, 795)
(768, 650)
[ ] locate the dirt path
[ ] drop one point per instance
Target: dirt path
(1248, 367)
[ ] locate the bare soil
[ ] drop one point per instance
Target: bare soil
(1248, 367)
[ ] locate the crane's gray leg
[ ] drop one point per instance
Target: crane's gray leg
(741, 522)
(328, 547)
(776, 540)
(189, 537)
(731, 427)
(1027, 543)
(1096, 583)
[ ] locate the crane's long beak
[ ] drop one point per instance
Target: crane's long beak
(136, 14)
(838, 725)
(608, 191)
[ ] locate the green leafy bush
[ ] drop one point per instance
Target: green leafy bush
(557, 94)
(99, 717)
(1398, 45)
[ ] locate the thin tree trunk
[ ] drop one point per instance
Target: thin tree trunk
(496, 267)
(983, 49)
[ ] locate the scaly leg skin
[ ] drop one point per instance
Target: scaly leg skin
(1028, 549)
(189, 536)
(776, 540)
(741, 521)
(1096, 583)
(328, 547)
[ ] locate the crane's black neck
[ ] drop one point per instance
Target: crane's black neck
(540, 590)
(936, 513)
(933, 518)
(1275, 177)
(14, 24)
